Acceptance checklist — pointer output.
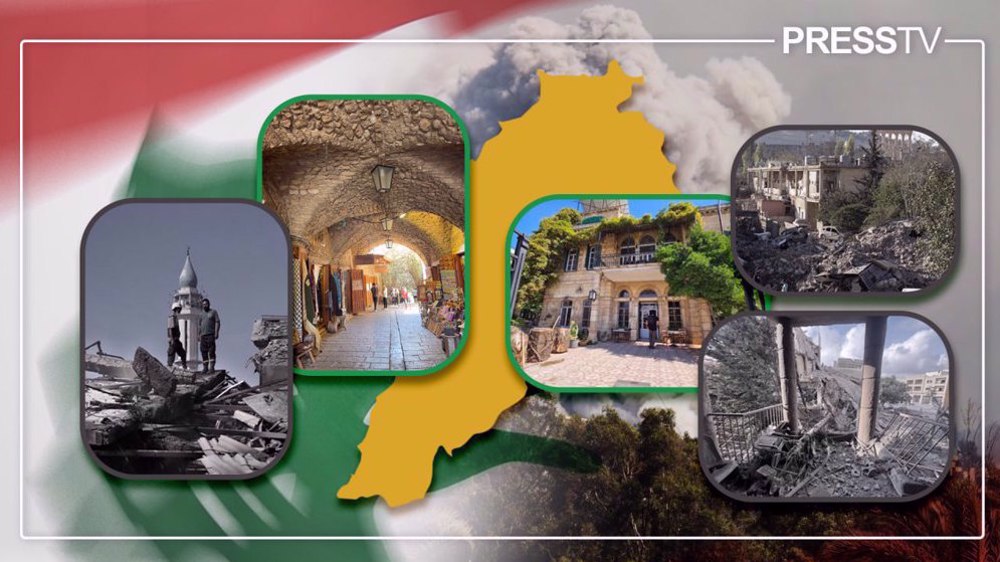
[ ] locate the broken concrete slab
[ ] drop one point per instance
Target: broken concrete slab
(154, 373)
(108, 365)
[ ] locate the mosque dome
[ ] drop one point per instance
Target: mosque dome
(188, 277)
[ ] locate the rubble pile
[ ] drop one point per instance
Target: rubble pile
(270, 336)
(884, 258)
(167, 420)
(827, 461)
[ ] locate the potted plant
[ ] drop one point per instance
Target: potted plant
(584, 336)
(574, 335)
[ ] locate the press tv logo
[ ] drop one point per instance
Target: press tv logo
(861, 40)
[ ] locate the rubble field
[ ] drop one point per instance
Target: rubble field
(884, 258)
(823, 459)
(141, 417)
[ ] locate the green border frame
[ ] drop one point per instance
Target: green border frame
(507, 311)
(467, 151)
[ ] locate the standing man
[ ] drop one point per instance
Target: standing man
(174, 345)
(374, 290)
(208, 327)
(652, 326)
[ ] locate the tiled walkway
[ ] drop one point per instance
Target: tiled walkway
(387, 340)
(607, 364)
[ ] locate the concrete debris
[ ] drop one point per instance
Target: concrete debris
(270, 335)
(885, 258)
(174, 421)
(153, 373)
(827, 461)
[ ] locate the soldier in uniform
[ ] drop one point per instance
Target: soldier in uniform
(174, 346)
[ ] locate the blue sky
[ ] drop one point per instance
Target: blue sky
(911, 346)
(637, 207)
(133, 258)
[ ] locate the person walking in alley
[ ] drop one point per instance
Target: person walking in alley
(208, 326)
(385, 297)
(374, 296)
(174, 346)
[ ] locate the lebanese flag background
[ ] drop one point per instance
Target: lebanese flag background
(89, 109)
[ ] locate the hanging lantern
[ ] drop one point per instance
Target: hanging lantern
(382, 176)
(388, 243)
(592, 295)
(387, 224)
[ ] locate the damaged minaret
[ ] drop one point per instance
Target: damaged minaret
(188, 296)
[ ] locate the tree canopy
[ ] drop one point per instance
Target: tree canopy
(703, 268)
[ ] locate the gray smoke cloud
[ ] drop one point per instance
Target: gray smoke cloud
(705, 118)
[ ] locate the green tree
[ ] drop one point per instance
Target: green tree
(758, 154)
(547, 247)
(849, 218)
(933, 203)
(703, 268)
(876, 162)
(892, 391)
(405, 268)
(741, 365)
(746, 157)
(849, 146)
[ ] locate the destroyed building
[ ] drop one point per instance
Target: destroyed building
(773, 430)
(872, 220)
(141, 417)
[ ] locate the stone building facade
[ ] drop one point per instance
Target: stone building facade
(800, 187)
(608, 285)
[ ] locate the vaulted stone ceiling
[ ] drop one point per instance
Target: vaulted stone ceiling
(317, 162)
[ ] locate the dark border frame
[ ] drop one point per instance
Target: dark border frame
(83, 315)
(832, 500)
(956, 225)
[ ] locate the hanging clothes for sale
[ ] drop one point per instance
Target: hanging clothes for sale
(297, 301)
(310, 294)
(335, 294)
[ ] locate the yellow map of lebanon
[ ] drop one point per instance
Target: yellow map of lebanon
(574, 140)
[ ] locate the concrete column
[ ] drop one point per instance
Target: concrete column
(787, 373)
(871, 373)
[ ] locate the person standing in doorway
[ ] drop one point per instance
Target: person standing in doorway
(652, 327)
(174, 346)
(374, 297)
(208, 326)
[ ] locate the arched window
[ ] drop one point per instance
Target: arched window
(647, 294)
(566, 313)
(593, 256)
(628, 246)
(669, 238)
(627, 251)
(624, 294)
(571, 258)
(623, 315)
(647, 247)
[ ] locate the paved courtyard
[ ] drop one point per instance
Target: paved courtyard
(610, 364)
(387, 340)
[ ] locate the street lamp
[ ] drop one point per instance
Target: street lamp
(388, 243)
(382, 176)
(592, 295)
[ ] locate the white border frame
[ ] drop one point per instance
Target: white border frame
(982, 171)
